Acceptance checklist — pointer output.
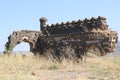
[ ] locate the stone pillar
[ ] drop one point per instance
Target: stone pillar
(43, 24)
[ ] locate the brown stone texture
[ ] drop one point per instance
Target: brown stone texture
(67, 39)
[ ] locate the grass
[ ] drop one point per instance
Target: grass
(29, 67)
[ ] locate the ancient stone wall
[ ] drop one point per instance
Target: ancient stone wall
(86, 25)
(22, 36)
(67, 38)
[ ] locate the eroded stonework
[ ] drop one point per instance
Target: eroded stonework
(67, 38)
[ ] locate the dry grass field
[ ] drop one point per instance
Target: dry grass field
(29, 67)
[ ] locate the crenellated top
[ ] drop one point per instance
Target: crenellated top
(86, 25)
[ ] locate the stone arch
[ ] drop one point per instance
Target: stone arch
(17, 37)
(95, 49)
(11, 44)
(23, 46)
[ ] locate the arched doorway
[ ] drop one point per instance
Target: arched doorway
(21, 41)
(22, 47)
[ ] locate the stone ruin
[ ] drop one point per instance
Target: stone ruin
(74, 38)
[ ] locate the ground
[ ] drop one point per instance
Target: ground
(28, 67)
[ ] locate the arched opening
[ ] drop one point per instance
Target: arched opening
(93, 50)
(22, 47)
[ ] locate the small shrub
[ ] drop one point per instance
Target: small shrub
(53, 67)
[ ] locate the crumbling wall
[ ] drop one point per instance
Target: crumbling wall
(22, 36)
(86, 25)
(66, 39)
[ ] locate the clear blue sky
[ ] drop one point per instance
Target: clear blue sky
(25, 14)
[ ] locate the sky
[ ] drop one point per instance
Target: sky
(16, 15)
